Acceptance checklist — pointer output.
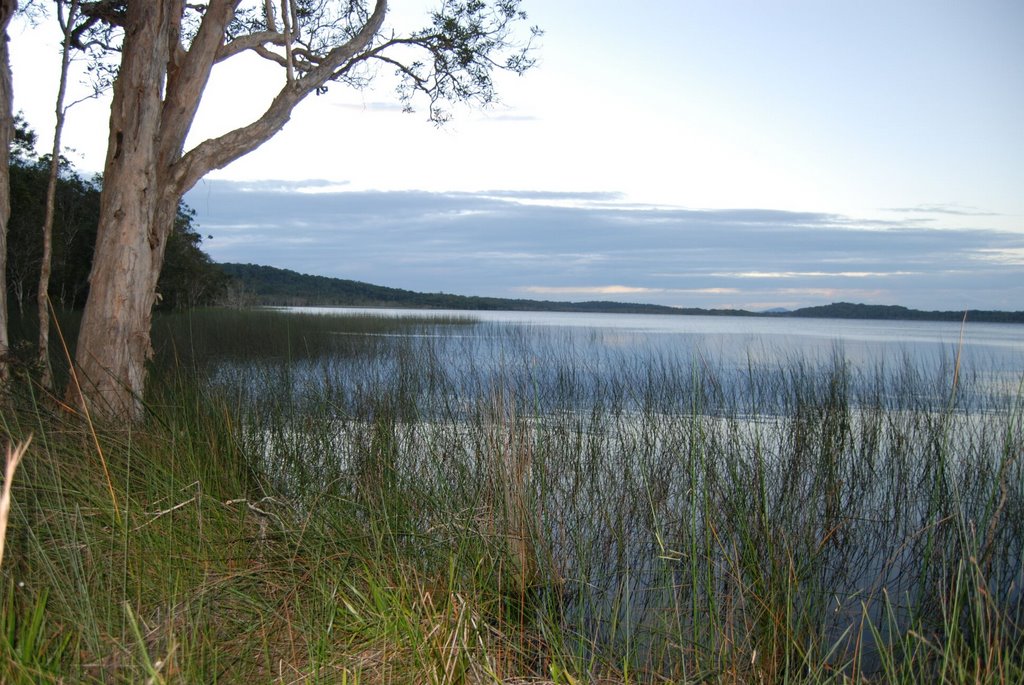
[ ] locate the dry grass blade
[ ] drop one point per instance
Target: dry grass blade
(14, 457)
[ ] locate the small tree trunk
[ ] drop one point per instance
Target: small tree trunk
(7, 9)
(43, 291)
(44, 270)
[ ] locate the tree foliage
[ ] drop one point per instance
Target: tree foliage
(75, 211)
(189, 279)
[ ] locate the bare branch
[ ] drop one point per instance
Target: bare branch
(268, 9)
(286, 26)
(249, 41)
(218, 152)
(271, 56)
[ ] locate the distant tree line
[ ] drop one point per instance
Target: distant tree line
(892, 312)
(265, 285)
(189, 277)
(252, 284)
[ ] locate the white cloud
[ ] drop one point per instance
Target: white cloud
(812, 274)
(1010, 256)
(621, 290)
(588, 290)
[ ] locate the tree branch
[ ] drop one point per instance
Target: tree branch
(250, 41)
(188, 76)
(216, 153)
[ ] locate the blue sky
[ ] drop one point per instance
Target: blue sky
(726, 154)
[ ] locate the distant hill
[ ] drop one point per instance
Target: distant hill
(848, 310)
(267, 285)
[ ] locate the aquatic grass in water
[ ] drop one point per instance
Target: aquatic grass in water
(675, 519)
(487, 503)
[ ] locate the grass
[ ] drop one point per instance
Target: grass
(348, 504)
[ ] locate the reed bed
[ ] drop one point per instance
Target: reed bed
(452, 502)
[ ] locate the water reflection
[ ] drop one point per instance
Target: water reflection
(541, 349)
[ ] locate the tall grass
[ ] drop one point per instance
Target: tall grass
(477, 503)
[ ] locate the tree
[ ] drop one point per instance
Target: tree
(7, 10)
(169, 50)
(67, 16)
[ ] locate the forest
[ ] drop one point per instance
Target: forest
(252, 284)
(189, 277)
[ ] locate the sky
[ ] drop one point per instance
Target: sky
(719, 153)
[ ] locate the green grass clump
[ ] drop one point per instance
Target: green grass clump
(462, 503)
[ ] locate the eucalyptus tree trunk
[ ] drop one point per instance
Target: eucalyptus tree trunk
(7, 10)
(113, 343)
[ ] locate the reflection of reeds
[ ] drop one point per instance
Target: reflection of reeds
(508, 455)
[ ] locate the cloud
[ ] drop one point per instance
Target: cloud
(508, 117)
(576, 244)
(950, 209)
(1013, 256)
(551, 195)
(587, 290)
(372, 106)
(280, 186)
(709, 291)
(814, 274)
(621, 290)
(830, 294)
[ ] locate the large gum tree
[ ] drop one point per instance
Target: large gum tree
(168, 50)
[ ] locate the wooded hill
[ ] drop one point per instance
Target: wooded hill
(848, 310)
(266, 285)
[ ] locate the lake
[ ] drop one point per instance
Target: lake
(991, 353)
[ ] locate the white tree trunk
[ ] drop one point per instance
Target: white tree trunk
(46, 261)
(113, 342)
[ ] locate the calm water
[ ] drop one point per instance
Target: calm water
(729, 333)
(992, 354)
